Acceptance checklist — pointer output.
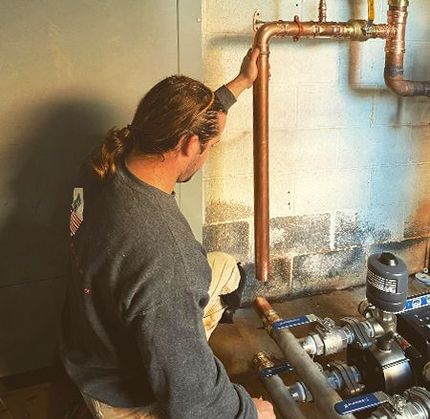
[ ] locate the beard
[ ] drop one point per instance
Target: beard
(190, 171)
(180, 180)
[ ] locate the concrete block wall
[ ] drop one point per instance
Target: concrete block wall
(349, 161)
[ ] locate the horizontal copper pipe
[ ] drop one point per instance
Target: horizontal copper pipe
(395, 52)
(354, 29)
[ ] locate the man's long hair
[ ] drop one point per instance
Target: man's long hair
(174, 107)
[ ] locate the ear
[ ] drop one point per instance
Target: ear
(189, 145)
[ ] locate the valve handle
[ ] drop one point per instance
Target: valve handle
(275, 370)
(359, 403)
(294, 322)
(371, 10)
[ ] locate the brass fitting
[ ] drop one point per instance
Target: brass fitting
(262, 361)
(398, 3)
(361, 30)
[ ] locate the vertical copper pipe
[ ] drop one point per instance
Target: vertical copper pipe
(353, 29)
(261, 168)
(395, 51)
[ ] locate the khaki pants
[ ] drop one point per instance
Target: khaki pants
(225, 279)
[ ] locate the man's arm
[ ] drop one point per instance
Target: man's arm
(228, 93)
(247, 75)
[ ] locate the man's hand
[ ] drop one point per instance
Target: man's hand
(264, 409)
(248, 73)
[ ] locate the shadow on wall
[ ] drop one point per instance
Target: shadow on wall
(34, 236)
(54, 138)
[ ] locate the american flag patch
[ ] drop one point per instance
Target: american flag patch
(77, 210)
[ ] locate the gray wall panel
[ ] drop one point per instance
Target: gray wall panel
(68, 72)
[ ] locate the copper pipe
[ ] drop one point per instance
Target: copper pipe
(353, 29)
(314, 379)
(322, 11)
(395, 51)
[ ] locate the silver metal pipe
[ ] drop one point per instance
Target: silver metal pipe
(282, 399)
(325, 397)
(311, 375)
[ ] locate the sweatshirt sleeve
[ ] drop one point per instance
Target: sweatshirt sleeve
(226, 97)
(188, 380)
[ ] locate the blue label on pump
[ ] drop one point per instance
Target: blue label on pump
(294, 322)
(417, 302)
(356, 404)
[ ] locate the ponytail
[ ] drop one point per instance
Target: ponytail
(105, 158)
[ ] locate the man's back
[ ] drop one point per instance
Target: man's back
(133, 331)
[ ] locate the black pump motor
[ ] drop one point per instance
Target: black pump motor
(387, 282)
(384, 366)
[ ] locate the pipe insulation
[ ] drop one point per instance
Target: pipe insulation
(282, 399)
(324, 396)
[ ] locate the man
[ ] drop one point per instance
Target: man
(144, 296)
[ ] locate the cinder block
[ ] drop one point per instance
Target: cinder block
(300, 234)
(278, 286)
(417, 60)
(232, 238)
(398, 184)
(365, 63)
(278, 10)
(232, 156)
(222, 57)
(240, 115)
(228, 198)
(420, 144)
(222, 211)
(422, 186)
(395, 110)
(371, 147)
(222, 66)
(375, 224)
(331, 190)
(303, 149)
(289, 61)
(228, 16)
(417, 223)
(325, 106)
(281, 194)
(282, 106)
(328, 271)
(413, 252)
(417, 28)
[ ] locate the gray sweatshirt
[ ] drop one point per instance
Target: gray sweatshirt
(132, 330)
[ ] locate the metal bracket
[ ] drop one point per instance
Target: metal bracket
(256, 22)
